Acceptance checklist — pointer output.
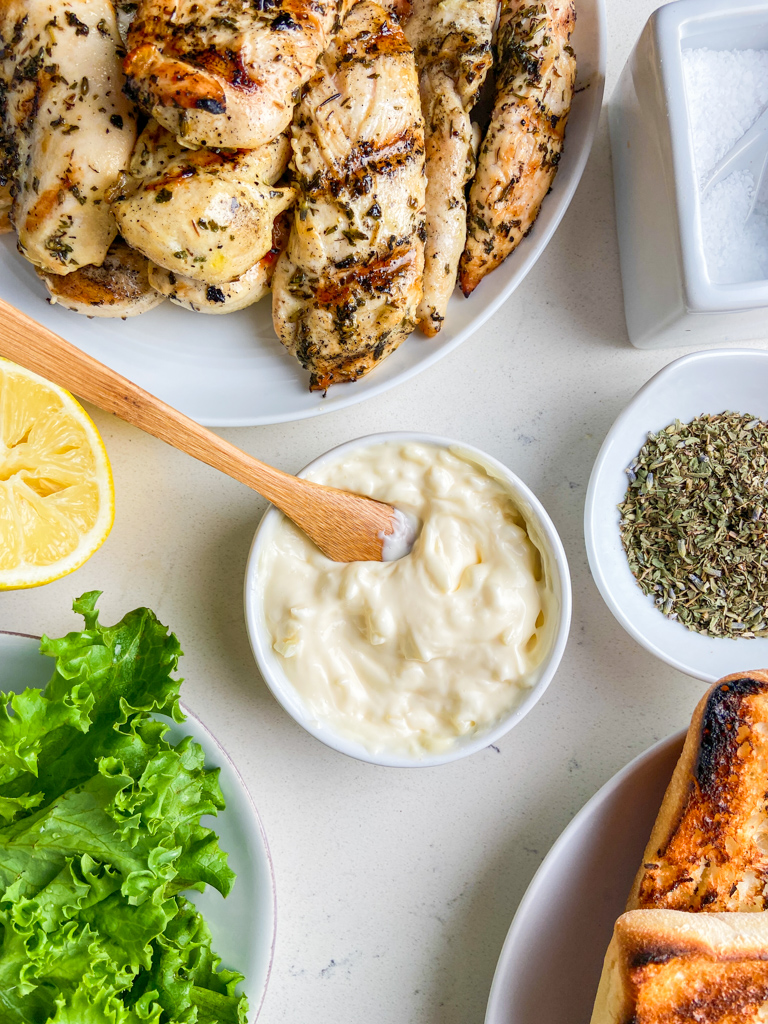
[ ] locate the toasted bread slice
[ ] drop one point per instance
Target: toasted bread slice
(671, 967)
(709, 847)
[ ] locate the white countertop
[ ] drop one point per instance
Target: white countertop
(396, 887)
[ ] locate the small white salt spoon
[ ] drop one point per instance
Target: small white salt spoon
(346, 527)
(750, 153)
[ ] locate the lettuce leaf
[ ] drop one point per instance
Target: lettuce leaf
(100, 834)
(185, 974)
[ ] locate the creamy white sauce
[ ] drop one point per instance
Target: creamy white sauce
(400, 540)
(409, 655)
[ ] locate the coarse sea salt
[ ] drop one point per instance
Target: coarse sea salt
(726, 91)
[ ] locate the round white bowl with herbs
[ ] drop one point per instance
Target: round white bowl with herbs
(541, 534)
(703, 383)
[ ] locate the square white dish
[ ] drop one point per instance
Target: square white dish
(669, 297)
(713, 381)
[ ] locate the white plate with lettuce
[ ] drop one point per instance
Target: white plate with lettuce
(106, 804)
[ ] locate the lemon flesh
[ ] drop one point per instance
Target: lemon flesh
(56, 492)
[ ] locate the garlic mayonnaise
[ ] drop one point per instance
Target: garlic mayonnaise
(409, 655)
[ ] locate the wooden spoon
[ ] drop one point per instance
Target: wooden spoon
(346, 527)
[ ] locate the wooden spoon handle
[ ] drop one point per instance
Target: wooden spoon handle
(33, 346)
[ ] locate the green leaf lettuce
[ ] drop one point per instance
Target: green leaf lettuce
(100, 834)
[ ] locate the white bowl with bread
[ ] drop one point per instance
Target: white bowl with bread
(427, 659)
(708, 382)
(693, 942)
(664, 868)
(564, 921)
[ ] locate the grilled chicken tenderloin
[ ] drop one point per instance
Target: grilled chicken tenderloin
(250, 287)
(346, 289)
(218, 299)
(452, 42)
(522, 146)
(225, 73)
(120, 287)
(204, 215)
(450, 163)
(455, 35)
(67, 130)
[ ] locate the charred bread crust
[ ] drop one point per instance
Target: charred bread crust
(671, 967)
(708, 850)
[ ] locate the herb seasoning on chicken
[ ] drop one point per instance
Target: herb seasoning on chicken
(452, 42)
(67, 129)
(518, 160)
(243, 291)
(206, 215)
(225, 74)
(346, 289)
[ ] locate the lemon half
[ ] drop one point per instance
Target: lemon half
(57, 501)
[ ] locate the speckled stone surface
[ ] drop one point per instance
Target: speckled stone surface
(396, 887)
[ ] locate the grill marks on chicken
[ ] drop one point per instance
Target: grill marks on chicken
(346, 289)
(67, 129)
(452, 42)
(522, 147)
(375, 247)
(225, 74)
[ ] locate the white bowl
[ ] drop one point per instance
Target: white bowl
(555, 565)
(231, 371)
(712, 382)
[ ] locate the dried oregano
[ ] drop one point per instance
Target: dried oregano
(694, 523)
